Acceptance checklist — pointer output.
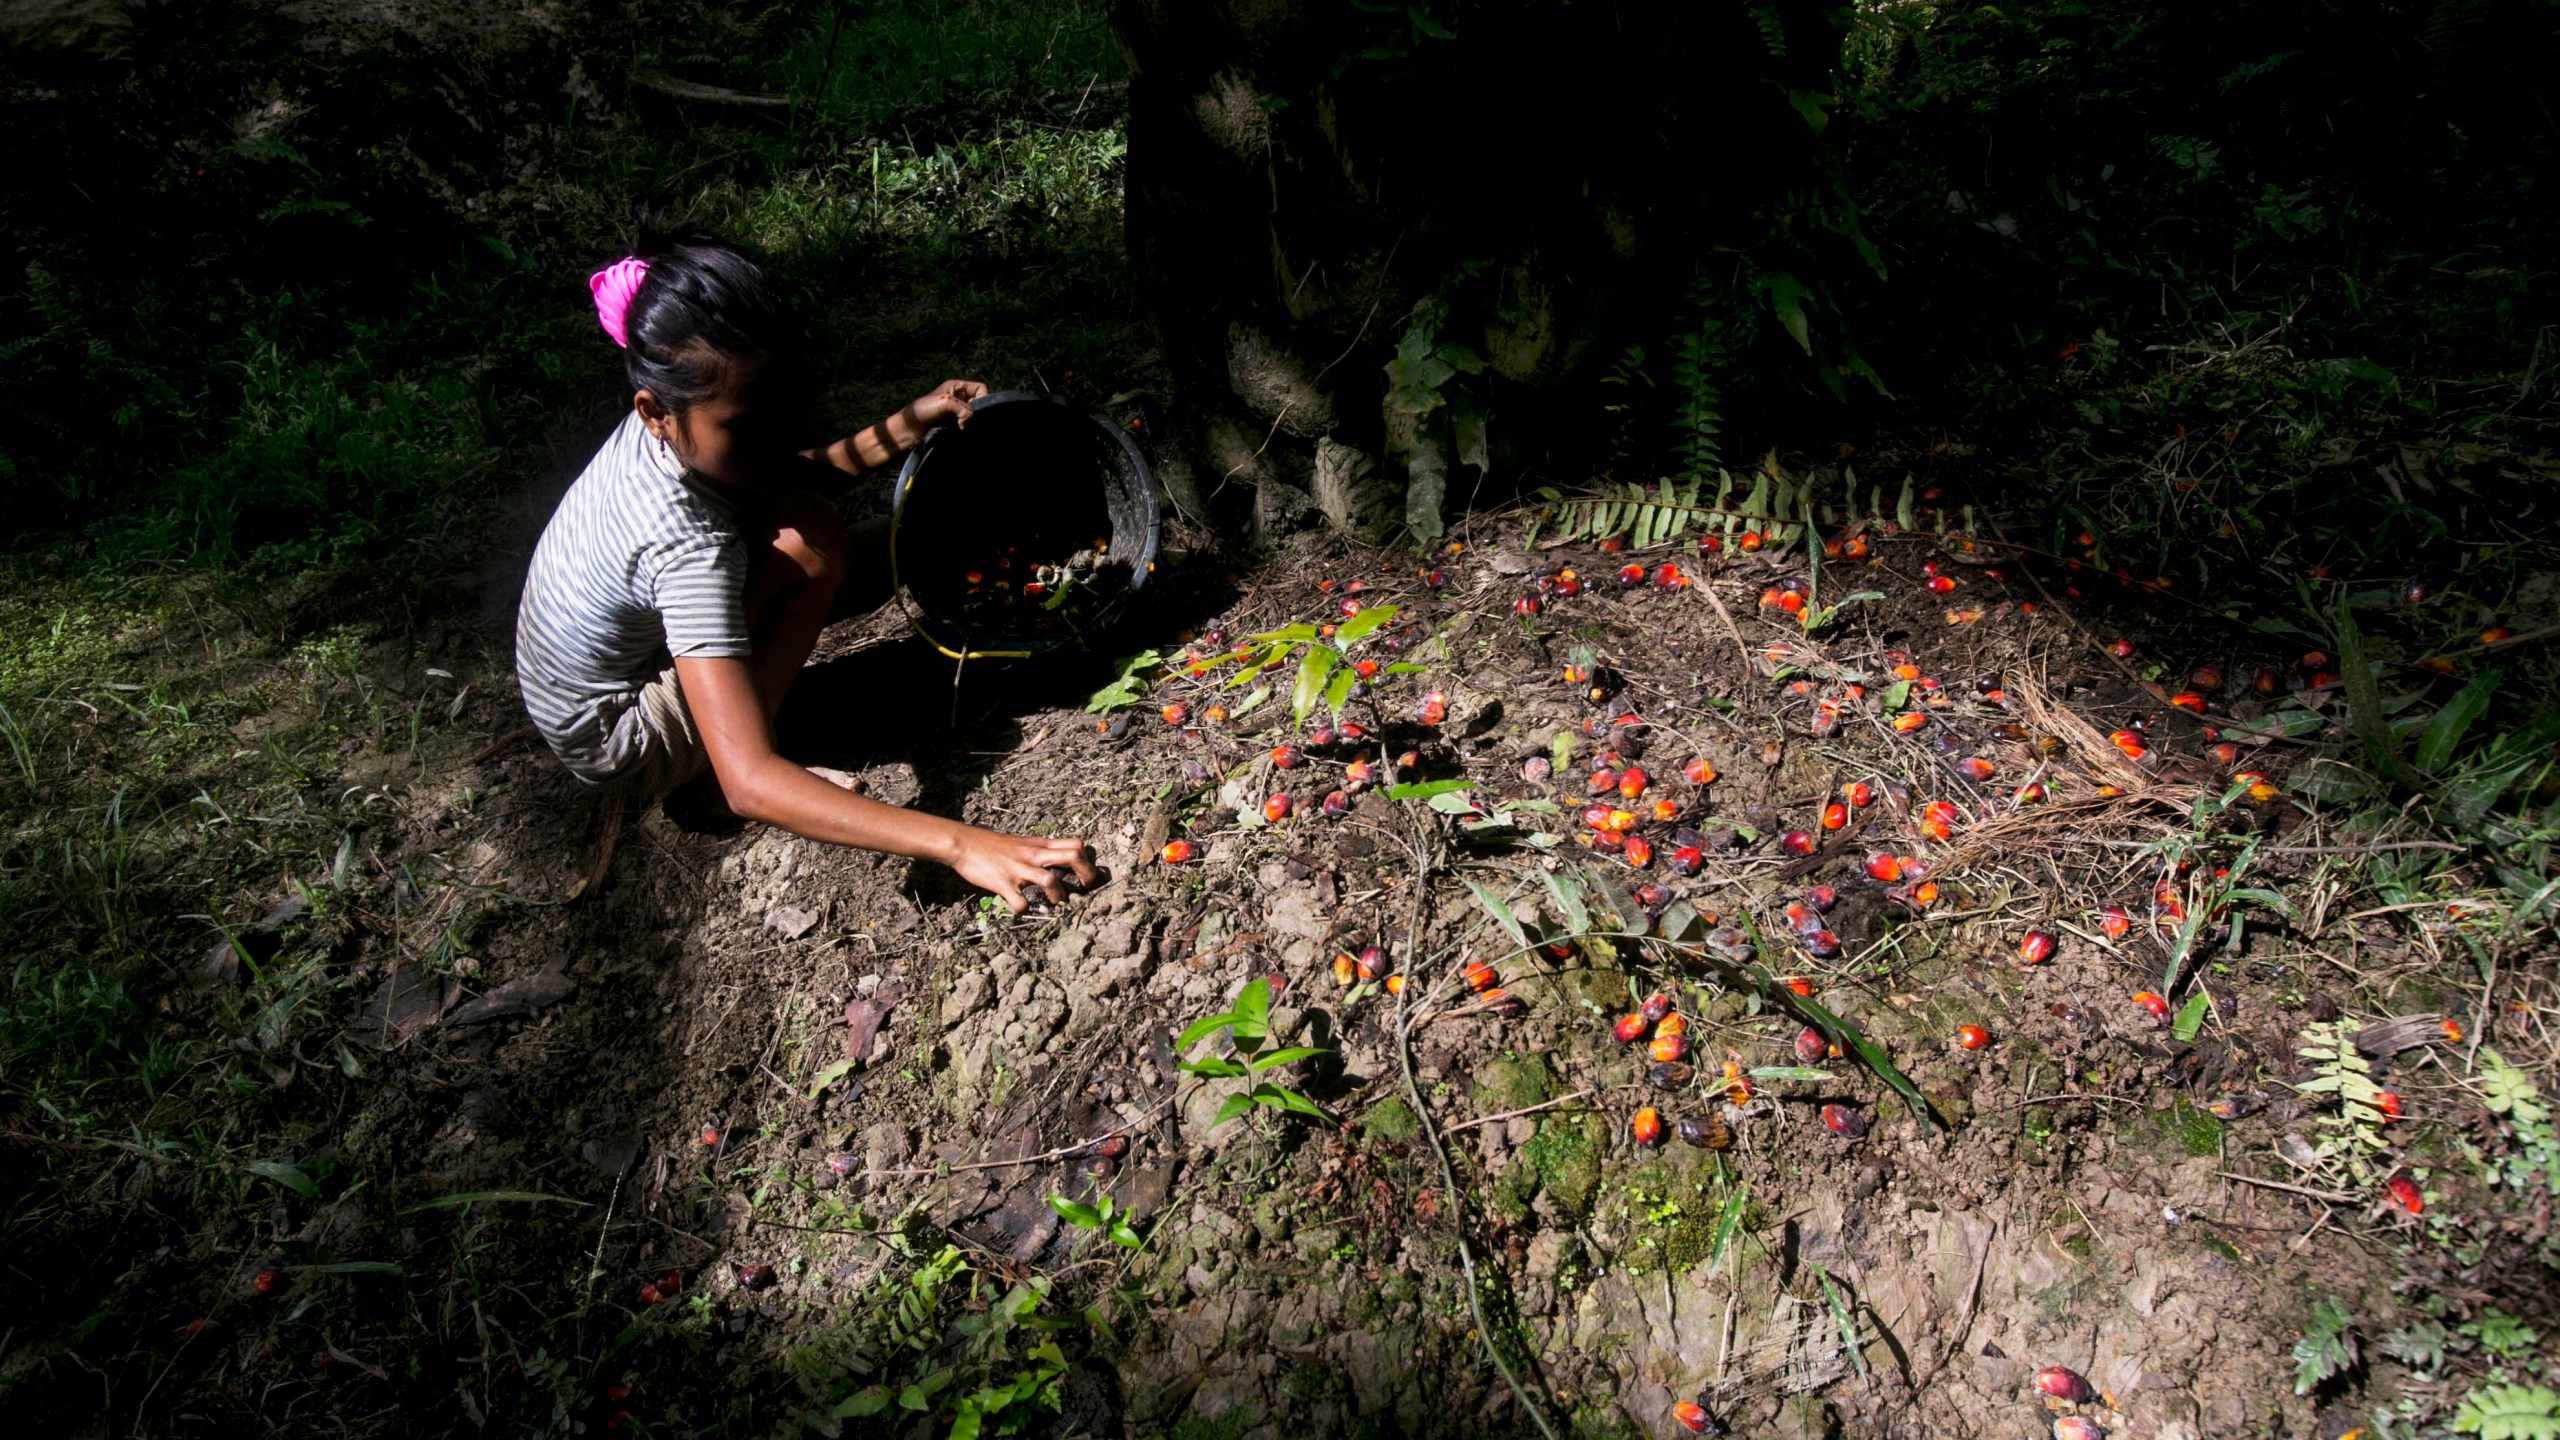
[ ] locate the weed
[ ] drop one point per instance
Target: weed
(1248, 1026)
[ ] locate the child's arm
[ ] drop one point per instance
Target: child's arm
(866, 450)
(760, 784)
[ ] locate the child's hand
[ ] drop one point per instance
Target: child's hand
(1005, 864)
(947, 401)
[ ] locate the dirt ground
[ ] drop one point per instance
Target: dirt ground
(665, 1044)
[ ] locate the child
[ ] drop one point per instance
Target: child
(680, 585)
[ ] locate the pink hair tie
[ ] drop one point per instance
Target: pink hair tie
(613, 287)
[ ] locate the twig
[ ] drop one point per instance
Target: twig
(2066, 1095)
(2326, 1197)
(1044, 1157)
(1709, 590)
(2375, 848)
(1514, 1114)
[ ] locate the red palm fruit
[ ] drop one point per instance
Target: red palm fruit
(1536, 769)
(2113, 922)
(1558, 949)
(1176, 851)
(1810, 1045)
(1596, 816)
(1667, 576)
(1906, 671)
(1612, 545)
(1435, 708)
(1632, 780)
(1621, 822)
(2225, 753)
(1672, 1024)
(267, 1282)
(1821, 944)
(1336, 805)
(2153, 1005)
(1365, 669)
(2265, 681)
(1977, 768)
(1345, 969)
(2130, 742)
(1435, 579)
(1284, 757)
(1409, 760)
(1668, 1048)
(649, 1295)
(1668, 1076)
(1568, 585)
(1646, 1128)
(1854, 548)
(1692, 1417)
(1939, 585)
(2030, 793)
(1884, 867)
(2388, 1102)
(1395, 984)
(1796, 842)
(1320, 736)
(1801, 984)
(1698, 772)
(1929, 568)
(1822, 898)
(2207, 678)
(1834, 815)
(1665, 811)
(1503, 1003)
(1606, 840)
(2315, 660)
(1175, 714)
(1934, 825)
(2187, 700)
(2078, 1427)
(1909, 721)
(1749, 540)
(1349, 606)
(1525, 605)
(1655, 1006)
(1800, 917)
(1629, 1029)
(1972, 1037)
(1358, 773)
(1639, 851)
(1630, 576)
(1826, 717)
(1481, 977)
(1602, 782)
(2496, 634)
(1844, 1121)
(1791, 602)
(2037, 946)
(1215, 714)
(1710, 544)
(1688, 860)
(2121, 649)
(2452, 1032)
(1278, 807)
(2404, 1193)
(1925, 893)
(1772, 598)
(1859, 794)
(1371, 962)
(2065, 1384)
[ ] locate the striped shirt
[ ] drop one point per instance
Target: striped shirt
(641, 563)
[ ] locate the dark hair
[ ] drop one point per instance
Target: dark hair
(703, 310)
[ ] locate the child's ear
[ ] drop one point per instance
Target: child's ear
(656, 418)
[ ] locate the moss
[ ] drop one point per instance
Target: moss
(1512, 1193)
(2181, 1129)
(1513, 1084)
(1391, 1120)
(1565, 1153)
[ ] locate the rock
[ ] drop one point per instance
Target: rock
(612, 1156)
(1070, 946)
(885, 1146)
(545, 987)
(968, 995)
(1552, 1250)
(1118, 936)
(790, 921)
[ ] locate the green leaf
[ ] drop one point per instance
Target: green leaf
(1566, 891)
(1425, 789)
(829, 1076)
(1208, 1025)
(2190, 1019)
(1286, 1056)
(1313, 669)
(2327, 1348)
(288, 1176)
(1338, 692)
(1081, 1216)
(1501, 914)
(1235, 1106)
(2444, 732)
(488, 1197)
(1253, 1010)
(1895, 696)
(1286, 635)
(1847, 1322)
(1790, 1072)
(1350, 631)
(2509, 1412)
(1131, 684)
(1281, 1097)
(2364, 697)
(1250, 703)
(1215, 1067)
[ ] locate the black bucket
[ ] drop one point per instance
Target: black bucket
(1033, 529)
